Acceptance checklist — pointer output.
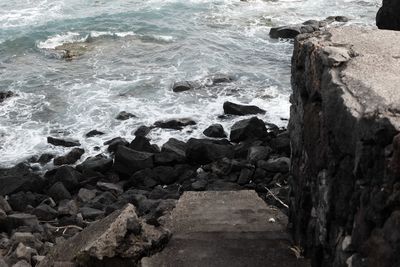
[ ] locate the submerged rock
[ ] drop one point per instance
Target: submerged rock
(94, 133)
(175, 124)
(5, 95)
(182, 86)
(241, 110)
(123, 116)
(66, 142)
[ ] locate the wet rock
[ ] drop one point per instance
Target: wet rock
(142, 144)
(45, 158)
(128, 161)
(94, 133)
(45, 212)
(241, 110)
(142, 131)
(85, 195)
(117, 189)
(175, 146)
(220, 78)
(66, 142)
(70, 51)
(203, 151)
(182, 86)
(19, 178)
(281, 143)
(114, 143)
(249, 129)
(99, 163)
(108, 240)
(70, 158)
(174, 124)
(280, 165)
(215, 130)
(5, 95)
(123, 116)
(59, 192)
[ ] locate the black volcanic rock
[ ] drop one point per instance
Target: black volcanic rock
(215, 130)
(66, 142)
(70, 158)
(128, 161)
(175, 124)
(203, 151)
(388, 15)
(249, 129)
(241, 110)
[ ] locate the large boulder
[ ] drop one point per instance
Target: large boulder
(99, 163)
(241, 110)
(67, 142)
(128, 161)
(215, 130)
(388, 15)
(69, 158)
(174, 124)
(249, 129)
(120, 239)
(141, 143)
(19, 178)
(203, 151)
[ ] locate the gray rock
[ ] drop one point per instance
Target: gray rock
(245, 176)
(22, 263)
(115, 188)
(175, 146)
(99, 163)
(281, 165)
(59, 192)
(257, 153)
(90, 213)
(45, 212)
(4, 205)
(85, 195)
(68, 207)
(109, 239)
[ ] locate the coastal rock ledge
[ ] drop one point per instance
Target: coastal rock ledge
(344, 130)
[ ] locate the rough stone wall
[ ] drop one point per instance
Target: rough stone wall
(345, 184)
(388, 16)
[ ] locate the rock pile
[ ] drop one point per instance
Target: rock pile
(69, 207)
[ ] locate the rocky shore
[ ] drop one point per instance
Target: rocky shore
(65, 214)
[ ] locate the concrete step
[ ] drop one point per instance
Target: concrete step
(225, 228)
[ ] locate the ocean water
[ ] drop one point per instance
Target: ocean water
(135, 50)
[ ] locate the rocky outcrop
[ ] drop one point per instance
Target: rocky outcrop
(388, 15)
(344, 131)
(121, 238)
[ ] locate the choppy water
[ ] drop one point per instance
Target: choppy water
(137, 49)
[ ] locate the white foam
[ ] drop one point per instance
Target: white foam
(60, 39)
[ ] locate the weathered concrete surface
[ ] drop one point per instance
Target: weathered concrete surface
(120, 239)
(345, 115)
(225, 228)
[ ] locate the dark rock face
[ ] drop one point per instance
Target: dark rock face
(142, 131)
(249, 129)
(175, 124)
(114, 143)
(99, 163)
(388, 15)
(70, 158)
(215, 130)
(67, 142)
(344, 197)
(141, 143)
(128, 161)
(204, 151)
(19, 178)
(241, 110)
